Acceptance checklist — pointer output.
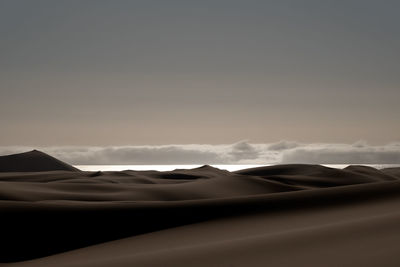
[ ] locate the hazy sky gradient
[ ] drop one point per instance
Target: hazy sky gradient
(175, 72)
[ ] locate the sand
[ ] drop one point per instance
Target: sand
(284, 215)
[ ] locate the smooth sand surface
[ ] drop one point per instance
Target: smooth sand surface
(284, 215)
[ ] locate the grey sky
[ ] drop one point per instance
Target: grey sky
(164, 72)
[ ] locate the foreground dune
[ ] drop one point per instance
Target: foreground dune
(284, 215)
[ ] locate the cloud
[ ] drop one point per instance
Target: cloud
(138, 155)
(244, 151)
(283, 145)
(238, 153)
(358, 153)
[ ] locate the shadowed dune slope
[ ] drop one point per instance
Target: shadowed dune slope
(33, 161)
(201, 217)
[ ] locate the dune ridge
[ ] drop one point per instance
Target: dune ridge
(199, 217)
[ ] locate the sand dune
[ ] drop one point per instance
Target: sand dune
(32, 161)
(284, 215)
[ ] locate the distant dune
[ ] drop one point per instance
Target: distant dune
(33, 161)
(283, 215)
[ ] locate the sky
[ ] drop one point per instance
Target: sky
(156, 73)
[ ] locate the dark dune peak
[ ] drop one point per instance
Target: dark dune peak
(206, 167)
(203, 168)
(33, 161)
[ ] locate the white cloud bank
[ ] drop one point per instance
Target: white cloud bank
(239, 153)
